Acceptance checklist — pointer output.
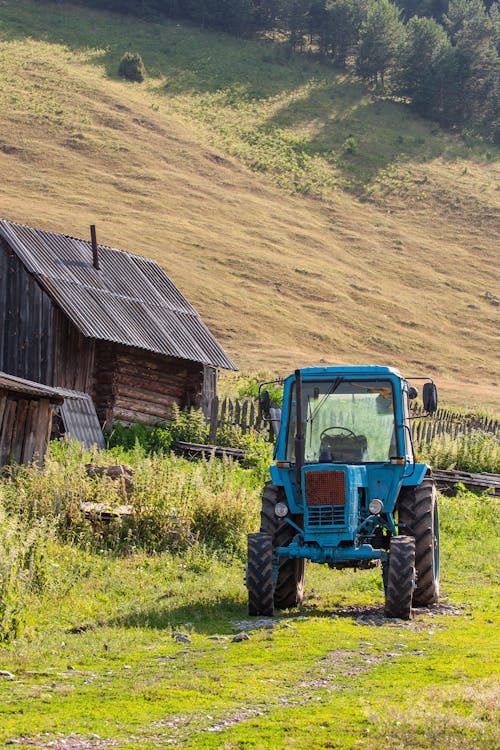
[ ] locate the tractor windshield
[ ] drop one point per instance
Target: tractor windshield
(345, 421)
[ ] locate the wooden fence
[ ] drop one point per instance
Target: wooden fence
(447, 422)
(245, 414)
(226, 413)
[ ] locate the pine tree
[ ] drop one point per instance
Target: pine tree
(427, 69)
(380, 37)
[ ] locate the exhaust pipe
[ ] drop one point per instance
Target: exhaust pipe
(299, 436)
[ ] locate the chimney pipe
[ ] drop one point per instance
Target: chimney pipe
(95, 256)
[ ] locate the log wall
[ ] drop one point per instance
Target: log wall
(132, 385)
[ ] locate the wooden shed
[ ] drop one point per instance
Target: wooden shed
(27, 410)
(90, 318)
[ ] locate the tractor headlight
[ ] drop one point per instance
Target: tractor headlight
(281, 509)
(376, 506)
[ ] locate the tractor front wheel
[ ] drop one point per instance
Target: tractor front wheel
(400, 577)
(289, 588)
(260, 575)
(418, 517)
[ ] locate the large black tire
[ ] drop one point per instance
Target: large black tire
(289, 588)
(260, 575)
(418, 517)
(400, 577)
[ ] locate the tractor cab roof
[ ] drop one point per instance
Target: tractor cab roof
(373, 371)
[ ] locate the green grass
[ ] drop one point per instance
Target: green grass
(100, 656)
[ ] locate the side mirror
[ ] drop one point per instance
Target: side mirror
(412, 392)
(265, 402)
(430, 397)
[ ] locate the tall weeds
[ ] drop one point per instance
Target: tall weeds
(476, 452)
(23, 567)
(174, 503)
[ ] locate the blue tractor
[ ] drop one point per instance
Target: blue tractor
(346, 490)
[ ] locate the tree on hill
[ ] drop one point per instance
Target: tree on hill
(379, 39)
(479, 74)
(426, 69)
(424, 8)
(346, 17)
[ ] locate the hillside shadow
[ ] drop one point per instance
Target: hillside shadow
(358, 134)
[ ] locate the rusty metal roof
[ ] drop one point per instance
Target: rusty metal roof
(130, 300)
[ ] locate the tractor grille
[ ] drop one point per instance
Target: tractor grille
(325, 488)
(325, 498)
(326, 515)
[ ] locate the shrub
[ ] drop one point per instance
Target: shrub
(132, 67)
(129, 436)
(189, 426)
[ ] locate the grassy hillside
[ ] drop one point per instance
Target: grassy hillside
(306, 221)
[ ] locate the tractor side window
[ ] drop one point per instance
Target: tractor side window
(345, 422)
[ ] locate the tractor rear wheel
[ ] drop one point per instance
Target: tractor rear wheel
(418, 517)
(260, 575)
(289, 588)
(400, 577)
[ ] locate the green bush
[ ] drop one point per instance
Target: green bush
(132, 67)
(189, 426)
(129, 436)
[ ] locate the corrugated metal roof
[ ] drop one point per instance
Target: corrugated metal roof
(129, 300)
(30, 388)
(80, 420)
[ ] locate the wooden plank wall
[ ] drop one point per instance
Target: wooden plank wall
(74, 356)
(25, 426)
(37, 341)
(133, 385)
(26, 347)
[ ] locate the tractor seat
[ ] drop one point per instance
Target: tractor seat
(345, 449)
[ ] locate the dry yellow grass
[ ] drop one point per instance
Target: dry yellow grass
(282, 280)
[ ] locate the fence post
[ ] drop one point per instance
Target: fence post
(214, 414)
(244, 413)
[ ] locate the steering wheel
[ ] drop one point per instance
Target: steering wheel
(336, 427)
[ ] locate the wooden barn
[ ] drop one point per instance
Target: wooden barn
(89, 318)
